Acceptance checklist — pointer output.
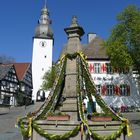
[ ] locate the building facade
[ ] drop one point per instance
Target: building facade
(15, 84)
(24, 74)
(9, 84)
(118, 87)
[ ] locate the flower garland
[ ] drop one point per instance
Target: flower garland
(43, 106)
(116, 134)
(91, 90)
(51, 105)
(49, 136)
(25, 131)
(80, 105)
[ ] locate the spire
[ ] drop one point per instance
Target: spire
(44, 18)
(43, 29)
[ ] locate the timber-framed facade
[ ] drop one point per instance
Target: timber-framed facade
(15, 84)
(9, 84)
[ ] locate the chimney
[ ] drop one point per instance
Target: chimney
(91, 36)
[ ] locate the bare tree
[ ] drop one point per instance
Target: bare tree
(6, 59)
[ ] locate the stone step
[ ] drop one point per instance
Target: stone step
(70, 104)
(69, 107)
(70, 101)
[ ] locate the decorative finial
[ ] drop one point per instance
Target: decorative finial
(74, 21)
(44, 10)
(45, 3)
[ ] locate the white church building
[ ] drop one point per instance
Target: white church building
(42, 52)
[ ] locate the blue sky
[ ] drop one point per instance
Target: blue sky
(18, 19)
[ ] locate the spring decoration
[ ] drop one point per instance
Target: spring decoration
(84, 87)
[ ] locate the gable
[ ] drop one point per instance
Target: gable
(21, 69)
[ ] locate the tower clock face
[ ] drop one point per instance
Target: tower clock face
(42, 43)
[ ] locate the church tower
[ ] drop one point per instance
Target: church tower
(42, 50)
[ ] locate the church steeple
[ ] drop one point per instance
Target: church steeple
(42, 52)
(43, 30)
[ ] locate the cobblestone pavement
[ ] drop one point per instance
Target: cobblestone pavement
(8, 120)
(9, 132)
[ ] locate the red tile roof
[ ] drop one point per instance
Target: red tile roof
(21, 69)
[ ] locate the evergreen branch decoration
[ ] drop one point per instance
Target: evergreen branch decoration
(115, 135)
(79, 93)
(80, 100)
(49, 136)
(92, 91)
(24, 130)
(54, 98)
(45, 104)
(83, 75)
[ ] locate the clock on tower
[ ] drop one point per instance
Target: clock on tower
(42, 47)
(43, 43)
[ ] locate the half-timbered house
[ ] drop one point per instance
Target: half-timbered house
(8, 84)
(24, 74)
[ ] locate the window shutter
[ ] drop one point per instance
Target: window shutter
(91, 67)
(117, 90)
(104, 90)
(103, 68)
(128, 90)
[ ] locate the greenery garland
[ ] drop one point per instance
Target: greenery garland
(80, 100)
(24, 131)
(79, 93)
(55, 94)
(49, 136)
(72, 56)
(72, 133)
(91, 91)
(116, 134)
(43, 106)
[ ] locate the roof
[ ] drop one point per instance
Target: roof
(43, 30)
(21, 69)
(95, 49)
(4, 69)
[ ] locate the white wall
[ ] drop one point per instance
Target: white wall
(41, 62)
(116, 78)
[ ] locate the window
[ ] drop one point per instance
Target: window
(109, 68)
(97, 67)
(123, 90)
(98, 87)
(110, 90)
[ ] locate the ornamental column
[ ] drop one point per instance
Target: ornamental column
(73, 45)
